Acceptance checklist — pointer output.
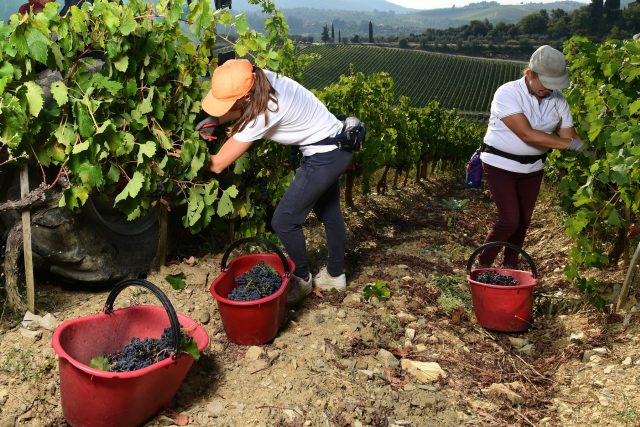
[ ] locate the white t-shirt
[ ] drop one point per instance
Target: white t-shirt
(546, 116)
(300, 118)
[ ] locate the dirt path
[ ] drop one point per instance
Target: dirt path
(339, 361)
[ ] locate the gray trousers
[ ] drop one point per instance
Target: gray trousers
(315, 186)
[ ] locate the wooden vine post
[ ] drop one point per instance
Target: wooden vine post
(26, 240)
(632, 272)
(163, 234)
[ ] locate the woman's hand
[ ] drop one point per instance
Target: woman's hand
(207, 127)
(575, 145)
(230, 151)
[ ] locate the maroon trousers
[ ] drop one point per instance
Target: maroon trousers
(515, 196)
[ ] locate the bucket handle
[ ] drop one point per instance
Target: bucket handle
(166, 303)
(262, 241)
(472, 258)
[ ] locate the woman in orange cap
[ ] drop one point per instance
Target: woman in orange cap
(266, 105)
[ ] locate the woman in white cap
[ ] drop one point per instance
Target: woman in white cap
(529, 116)
(265, 105)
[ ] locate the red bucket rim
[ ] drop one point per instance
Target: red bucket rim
(273, 296)
(57, 347)
(501, 270)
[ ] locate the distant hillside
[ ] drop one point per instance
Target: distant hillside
(493, 11)
(310, 21)
(356, 5)
(460, 82)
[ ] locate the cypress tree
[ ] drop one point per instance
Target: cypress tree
(333, 36)
(370, 32)
(325, 34)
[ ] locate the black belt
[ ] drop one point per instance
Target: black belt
(331, 140)
(518, 158)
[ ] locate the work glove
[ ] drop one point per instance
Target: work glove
(576, 145)
(207, 128)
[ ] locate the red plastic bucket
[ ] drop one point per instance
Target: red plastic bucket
(94, 398)
(252, 322)
(503, 308)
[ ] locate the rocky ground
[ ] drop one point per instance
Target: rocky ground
(417, 359)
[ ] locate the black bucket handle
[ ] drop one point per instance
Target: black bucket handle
(265, 242)
(472, 258)
(166, 303)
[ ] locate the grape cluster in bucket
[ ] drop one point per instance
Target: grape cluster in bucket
(259, 282)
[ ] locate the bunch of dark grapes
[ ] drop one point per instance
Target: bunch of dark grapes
(160, 192)
(259, 282)
(140, 353)
(492, 277)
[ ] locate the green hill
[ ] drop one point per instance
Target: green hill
(460, 82)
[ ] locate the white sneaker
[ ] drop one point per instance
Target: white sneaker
(299, 288)
(324, 280)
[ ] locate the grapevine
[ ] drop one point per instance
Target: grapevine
(601, 188)
(120, 118)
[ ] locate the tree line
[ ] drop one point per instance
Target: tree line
(597, 21)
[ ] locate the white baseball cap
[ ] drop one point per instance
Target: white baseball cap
(551, 67)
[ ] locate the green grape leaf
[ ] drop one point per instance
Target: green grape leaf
(176, 281)
(35, 98)
(241, 164)
(111, 21)
(379, 289)
(79, 20)
(72, 195)
(242, 26)
(197, 162)
(225, 205)
(190, 346)
(83, 119)
(122, 63)
(132, 188)
(241, 49)
(57, 55)
(162, 138)
(81, 146)
(100, 362)
(147, 149)
(65, 135)
(3, 83)
(128, 24)
(60, 93)
(619, 175)
(195, 206)
(634, 107)
(38, 45)
(100, 81)
(90, 174)
(6, 70)
(210, 192)
(113, 175)
(614, 218)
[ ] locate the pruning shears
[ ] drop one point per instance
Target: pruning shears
(208, 135)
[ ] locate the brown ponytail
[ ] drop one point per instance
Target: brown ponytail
(255, 102)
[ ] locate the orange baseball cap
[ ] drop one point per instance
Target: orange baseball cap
(230, 82)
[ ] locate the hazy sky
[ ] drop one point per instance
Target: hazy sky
(436, 4)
